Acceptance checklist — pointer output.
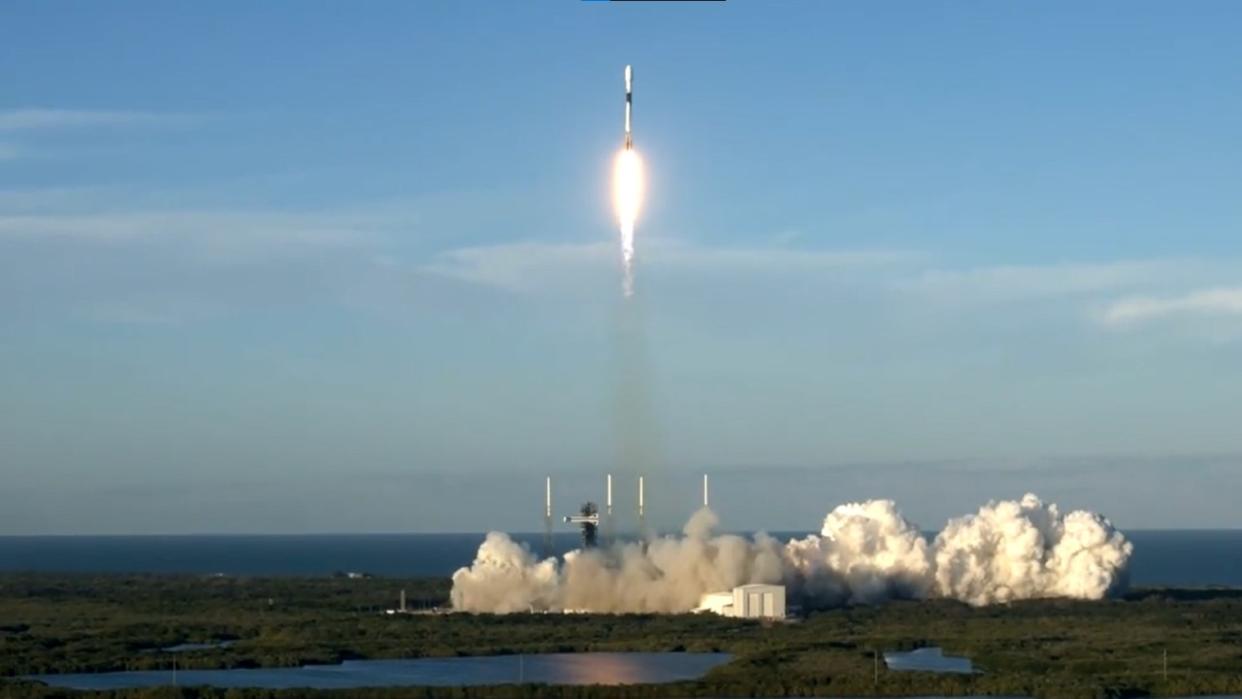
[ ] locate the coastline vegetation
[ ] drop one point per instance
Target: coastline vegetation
(56, 623)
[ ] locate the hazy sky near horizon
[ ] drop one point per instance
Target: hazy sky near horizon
(295, 267)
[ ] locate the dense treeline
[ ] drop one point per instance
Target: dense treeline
(1054, 648)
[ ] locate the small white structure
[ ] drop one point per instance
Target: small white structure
(755, 601)
(759, 601)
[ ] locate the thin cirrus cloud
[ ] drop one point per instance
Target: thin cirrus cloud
(1012, 282)
(1213, 302)
(518, 266)
(211, 238)
(1130, 291)
(30, 119)
(530, 265)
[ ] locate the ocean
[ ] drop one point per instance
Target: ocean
(1175, 558)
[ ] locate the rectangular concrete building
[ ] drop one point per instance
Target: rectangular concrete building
(759, 602)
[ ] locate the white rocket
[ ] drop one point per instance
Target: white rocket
(629, 105)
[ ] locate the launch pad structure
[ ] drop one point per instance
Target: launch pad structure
(591, 520)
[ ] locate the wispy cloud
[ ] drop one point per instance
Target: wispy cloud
(778, 258)
(1079, 290)
(396, 245)
(9, 151)
(1219, 301)
(38, 118)
(1014, 282)
(155, 269)
(119, 314)
(517, 266)
(215, 234)
(524, 266)
(50, 199)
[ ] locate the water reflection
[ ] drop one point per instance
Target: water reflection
(553, 668)
(927, 660)
(187, 647)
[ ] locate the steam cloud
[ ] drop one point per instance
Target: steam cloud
(866, 553)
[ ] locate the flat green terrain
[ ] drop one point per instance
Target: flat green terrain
(1052, 648)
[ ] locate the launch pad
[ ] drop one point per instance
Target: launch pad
(591, 520)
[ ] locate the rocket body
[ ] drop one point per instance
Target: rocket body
(629, 106)
(627, 187)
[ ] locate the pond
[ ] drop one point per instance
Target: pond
(187, 647)
(927, 660)
(552, 668)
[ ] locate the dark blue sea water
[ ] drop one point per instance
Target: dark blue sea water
(1190, 558)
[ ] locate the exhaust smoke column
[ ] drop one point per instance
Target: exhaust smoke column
(866, 553)
(627, 189)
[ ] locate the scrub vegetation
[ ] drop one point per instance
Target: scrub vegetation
(1047, 648)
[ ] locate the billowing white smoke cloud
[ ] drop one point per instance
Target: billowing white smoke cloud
(671, 573)
(865, 553)
(505, 578)
(1019, 550)
(665, 574)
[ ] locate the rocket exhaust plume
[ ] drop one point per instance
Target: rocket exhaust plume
(627, 189)
(865, 553)
(627, 197)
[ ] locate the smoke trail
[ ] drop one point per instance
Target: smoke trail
(636, 428)
(639, 439)
(627, 259)
(865, 553)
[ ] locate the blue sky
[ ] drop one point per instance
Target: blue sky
(295, 267)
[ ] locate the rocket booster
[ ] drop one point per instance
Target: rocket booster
(629, 104)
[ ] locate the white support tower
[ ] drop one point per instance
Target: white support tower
(608, 507)
(642, 513)
(547, 517)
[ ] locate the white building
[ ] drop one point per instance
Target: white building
(759, 601)
(746, 602)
